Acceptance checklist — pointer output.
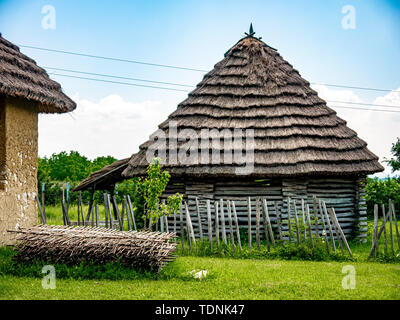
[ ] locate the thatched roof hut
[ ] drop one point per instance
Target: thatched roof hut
(20, 77)
(301, 147)
(25, 91)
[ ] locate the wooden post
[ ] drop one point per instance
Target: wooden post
(395, 222)
(278, 221)
(249, 222)
(90, 205)
(216, 222)
(289, 222)
(265, 223)
(374, 248)
(42, 217)
(115, 205)
(309, 224)
(316, 217)
(128, 214)
(329, 225)
(105, 209)
(44, 209)
(92, 213)
(209, 233)
(258, 223)
(304, 219)
(162, 224)
(338, 237)
(323, 226)
(97, 215)
(199, 219)
(384, 226)
(237, 225)
(131, 211)
(222, 213)
(269, 224)
(296, 219)
(174, 226)
(189, 223)
(166, 224)
(340, 231)
(182, 228)
(391, 227)
(230, 225)
(109, 212)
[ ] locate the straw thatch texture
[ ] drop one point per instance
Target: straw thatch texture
(71, 245)
(105, 177)
(21, 77)
(253, 87)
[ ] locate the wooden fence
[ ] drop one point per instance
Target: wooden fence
(218, 222)
(387, 217)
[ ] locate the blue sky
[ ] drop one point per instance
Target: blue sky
(196, 34)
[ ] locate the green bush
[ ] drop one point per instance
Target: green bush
(379, 192)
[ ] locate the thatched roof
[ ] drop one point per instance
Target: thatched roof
(105, 177)
(253, 87)
(21, 77)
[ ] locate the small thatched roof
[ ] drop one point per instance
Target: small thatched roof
(21, 77)
(105, 177)
(296, 133)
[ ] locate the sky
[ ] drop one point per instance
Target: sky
(353, 43)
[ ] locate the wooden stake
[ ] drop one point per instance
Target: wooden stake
(249, 222)
(289, 222)
(384, 226)
(189, 223)
(336, 229)
(341, 232)
(316, 217)
(391, 227)
(182, 228)
(325, 212)
(230, 225)
(266, 231)
(131, 211)
(374, 248)
(237, 225)
(278, 221)
(209, 223)
(296, 219)
(269, 224)
(199, 219)
(258, 223)
(395, 222)
(216, 222)
(222, 213)
(304, 219)
(323, 226)
(309, 224)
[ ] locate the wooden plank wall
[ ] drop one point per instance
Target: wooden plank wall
(346, 195)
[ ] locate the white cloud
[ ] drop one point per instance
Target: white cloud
(378, 129)
(111, 126)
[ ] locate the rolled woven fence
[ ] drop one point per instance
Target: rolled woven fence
(72, 245)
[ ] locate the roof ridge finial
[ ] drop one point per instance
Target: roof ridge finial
(251, 31)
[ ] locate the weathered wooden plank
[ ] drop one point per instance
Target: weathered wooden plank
(199, 219)
(230, 225)
(209, 224)
(222, 214)
(249, 222)
(216, 222)
(268, 220)
(258, 223)
(237, 225)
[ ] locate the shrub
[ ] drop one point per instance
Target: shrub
(379, 192)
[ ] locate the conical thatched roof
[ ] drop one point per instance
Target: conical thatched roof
(295, 132)
(21, 77)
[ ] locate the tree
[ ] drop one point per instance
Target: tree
(394, 162)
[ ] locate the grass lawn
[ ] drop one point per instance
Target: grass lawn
(228, 279)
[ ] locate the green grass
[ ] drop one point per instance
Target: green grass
(231, 276)
(229, 279)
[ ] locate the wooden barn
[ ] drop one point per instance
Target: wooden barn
(301, 147)
(25, 91)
